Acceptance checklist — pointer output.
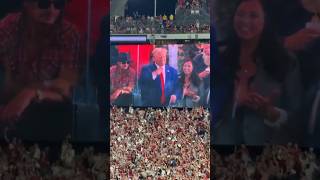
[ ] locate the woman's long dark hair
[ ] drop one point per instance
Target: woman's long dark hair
(275, 58)
(194, 78)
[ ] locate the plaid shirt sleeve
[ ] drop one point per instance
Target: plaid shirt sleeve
(70, 67)
(71, 47)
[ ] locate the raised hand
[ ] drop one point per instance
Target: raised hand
(301, 39)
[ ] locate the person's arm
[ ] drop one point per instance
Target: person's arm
(132, 80)
(56, 90)
(177, 89)
(198, 67)
(292, 98)
(203, 74)
(145, 81)
(60, 88)
(300, 39)
(123, 90)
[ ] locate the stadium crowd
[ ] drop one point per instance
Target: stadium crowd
(154, 25)
(191, 4)
(22, 161)
(273, 162)
(159, 143)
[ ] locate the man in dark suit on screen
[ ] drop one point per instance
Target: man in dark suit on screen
(158, 81)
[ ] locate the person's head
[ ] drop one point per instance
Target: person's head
(249, 19)
(123, 61)
(44, 11)
(159, 56)
(251, 22)
(187, 67)
(187, 71)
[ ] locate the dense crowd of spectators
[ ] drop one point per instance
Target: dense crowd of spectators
(20, 161)
(191, 4)
(141, 24)
(159, 144)
(274, 162)
(154, 25)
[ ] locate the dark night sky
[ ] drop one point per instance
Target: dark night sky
(8, 6)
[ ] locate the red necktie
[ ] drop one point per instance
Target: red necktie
(163, 97)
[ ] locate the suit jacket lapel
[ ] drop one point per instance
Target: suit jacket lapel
(153, 67)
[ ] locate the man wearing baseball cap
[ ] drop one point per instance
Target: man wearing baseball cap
(122, 79)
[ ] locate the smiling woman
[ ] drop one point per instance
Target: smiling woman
(262, 79)
(191, 85)
(249, 20)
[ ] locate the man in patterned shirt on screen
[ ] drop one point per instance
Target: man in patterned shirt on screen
(122, 78)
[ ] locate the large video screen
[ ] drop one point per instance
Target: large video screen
(145, 75)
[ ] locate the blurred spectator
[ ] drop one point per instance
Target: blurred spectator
(171, 17)
(21, 161)
(202, 65)
(299, 24)
(164, 18)
(268, 162)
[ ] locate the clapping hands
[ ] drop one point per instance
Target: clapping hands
(261, 104)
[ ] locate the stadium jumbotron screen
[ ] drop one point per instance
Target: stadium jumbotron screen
(175, 75)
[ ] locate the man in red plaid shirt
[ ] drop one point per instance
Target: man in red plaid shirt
(39, 54)
(123, 79)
